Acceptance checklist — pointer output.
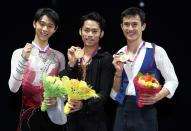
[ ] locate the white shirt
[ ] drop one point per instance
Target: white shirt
(163, 64)
(18, 65)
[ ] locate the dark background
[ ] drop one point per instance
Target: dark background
(167, 25)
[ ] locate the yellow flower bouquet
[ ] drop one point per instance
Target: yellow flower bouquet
(53, 87)
(78, 90)
(73, 88)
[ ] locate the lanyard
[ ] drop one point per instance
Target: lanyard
(136, 55)
(82, 60)
(84, 63)
(39, 53)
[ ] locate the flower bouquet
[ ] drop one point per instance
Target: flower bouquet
(73, 88)
(53, 87)
(146, 84)
(78, 90)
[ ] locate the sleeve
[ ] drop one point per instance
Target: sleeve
(106, 81)
(71, 72)
(62, 61)
(167, 70)
(113, 94)
(18, 64)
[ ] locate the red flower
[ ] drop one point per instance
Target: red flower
(146, 84)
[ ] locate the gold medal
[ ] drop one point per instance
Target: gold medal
(79, 53)
(123, 58)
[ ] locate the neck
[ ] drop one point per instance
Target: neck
(40, 43)
(89, 50)
(133, 45)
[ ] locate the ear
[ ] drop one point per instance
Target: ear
(56, 28)
(34, 24)
(80, 31)
(102, 34)
(121, 26)
(143, 26)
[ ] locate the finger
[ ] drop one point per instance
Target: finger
(70, 106)
(147, 101)
(71, 51)
(73, 110)
(28, 45)
(50, 105)
(50, 100)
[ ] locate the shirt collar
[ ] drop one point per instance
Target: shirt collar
(43, 51)
(148, 45)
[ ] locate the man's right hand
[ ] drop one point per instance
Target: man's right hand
(71, 56)
(118, 64)
(26, 51)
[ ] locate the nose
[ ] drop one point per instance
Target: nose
(130, 27)
(45, 28)
(90, 33)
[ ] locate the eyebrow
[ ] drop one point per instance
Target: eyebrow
(51, 23)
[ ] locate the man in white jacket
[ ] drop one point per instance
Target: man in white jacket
(27, 66)
(139, 56)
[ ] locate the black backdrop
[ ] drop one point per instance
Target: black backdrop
(167, 26)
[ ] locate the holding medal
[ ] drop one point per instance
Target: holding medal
(92, 65)
(138, 66)
(124, 57)
(79, 53)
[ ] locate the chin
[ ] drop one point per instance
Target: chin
(43, 38)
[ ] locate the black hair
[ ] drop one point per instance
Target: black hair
(50, 13)
(133, 11)
(93, 16)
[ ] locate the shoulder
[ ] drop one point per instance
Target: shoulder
(16, 56)
(17, 52)
(58, 53)
(157, 47)
(122, 49)
(104, 54)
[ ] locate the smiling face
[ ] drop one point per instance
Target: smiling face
(44, 28)
(91, 33)
(132, 27)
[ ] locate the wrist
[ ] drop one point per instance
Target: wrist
(24, 57)
(70, 64)
(118, 75)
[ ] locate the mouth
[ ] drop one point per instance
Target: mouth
(89, 40)
(43, 35)
(130, 33)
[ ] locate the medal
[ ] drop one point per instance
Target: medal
(79, 53)
(123, 58)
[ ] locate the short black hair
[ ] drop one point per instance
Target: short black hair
(133, 11)
(50, 13)
(93, 16)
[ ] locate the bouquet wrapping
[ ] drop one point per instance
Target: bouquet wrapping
(53, 87)
(73, 88)
(78, 90)
(147, 85)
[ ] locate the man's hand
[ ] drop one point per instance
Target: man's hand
(71, 56)
(75, 105)
(50, 102)
(26, 51)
